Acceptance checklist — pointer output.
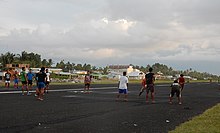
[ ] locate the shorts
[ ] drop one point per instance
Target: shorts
(7, 81)
(150, 87)
(30, 82)
(122, 91)
(16, 81)
(173, 91)
(87, 84)
(41, 85)
(24, 82)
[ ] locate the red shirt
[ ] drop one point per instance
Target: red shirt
(143, 82)
(181, 80)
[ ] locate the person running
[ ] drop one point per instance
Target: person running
(175, 88)
(143, 86)
(30, 77)
(7, 79)
(150, 78)
(23, 77)
(16, 77)
(123, 87)
(41, 79)
(47, 81)
(181, 81)
(87, 82)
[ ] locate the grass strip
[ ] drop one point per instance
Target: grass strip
(208, 122)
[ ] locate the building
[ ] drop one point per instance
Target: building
(115, 71)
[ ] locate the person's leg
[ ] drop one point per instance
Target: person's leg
(8, 84)
(125, 95)
(178, 94)
(119, 94)
(88, 87)
(152, 97)
(147, 92)
(22, 88)
(152, 93)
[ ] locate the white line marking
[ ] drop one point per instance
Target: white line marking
(59, 90)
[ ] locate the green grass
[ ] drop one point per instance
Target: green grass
(208, 122)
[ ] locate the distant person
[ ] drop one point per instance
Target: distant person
(41, 79)
(143, 85)
(7, 78)
(30, 77)
(47, 81)
(123, 87)
(16, 79)
(175, 89)
(87, 82)
(150, 78)
(23, 77)
(181, 81)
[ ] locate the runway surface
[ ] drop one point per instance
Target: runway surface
(67, 109)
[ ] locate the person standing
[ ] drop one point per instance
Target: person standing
(7, 79)
(87, 82)
(30, 77)
(181, 81)
(41, 79)
(23, 77)
(175, 88)
(143, 85)
(123, 87)
(47, 81)
(16, 77)
(150, 78)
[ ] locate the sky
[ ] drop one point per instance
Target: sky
(181, 34)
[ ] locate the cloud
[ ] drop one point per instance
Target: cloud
(109, 31)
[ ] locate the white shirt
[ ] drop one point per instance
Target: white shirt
(48, 77)
(123, 82)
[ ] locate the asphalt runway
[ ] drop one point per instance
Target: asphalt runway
(66, 109)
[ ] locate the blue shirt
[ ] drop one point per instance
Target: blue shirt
(30, 76)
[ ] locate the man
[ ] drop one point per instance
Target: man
(47, 81)
(175, 88)
(143, 85)
(41, 79)
(87, 82)
(16, 77)
(181, 81)
(7, 79)
(30, 77)
(150, 78)
(23, 77)
(123, 87)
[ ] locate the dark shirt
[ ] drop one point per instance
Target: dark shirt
(41, 76)
(7, 76)
(149, 78)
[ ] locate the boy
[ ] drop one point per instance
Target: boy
(123, 87)
(175, 88)
(41, 78)
(16, 77)
(181, 81)
(23, 77)
(150, 78)
(87, 82)
(47, 81)
(30, 77)
(7, 79)
(143, 86)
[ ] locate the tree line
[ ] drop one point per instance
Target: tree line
(35, 61)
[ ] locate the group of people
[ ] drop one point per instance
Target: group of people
(42, 81)
(148, 85)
